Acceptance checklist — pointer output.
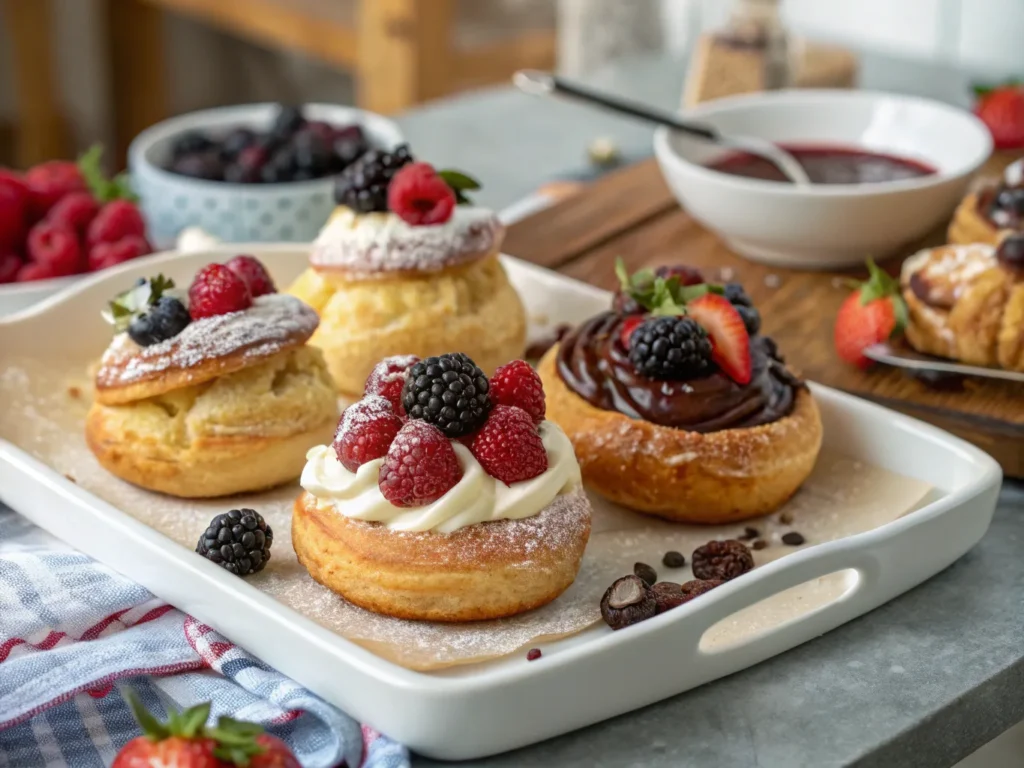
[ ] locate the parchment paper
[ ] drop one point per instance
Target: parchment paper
(43, 413)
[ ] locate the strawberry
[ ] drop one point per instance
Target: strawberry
(49, 182)
(871, 314)
(185, 741)
(629, 325)
(518, 384)
(508, 445)
(1002, 110)
(420, 196)
(730, 343)
(365, 432)
(14, 211)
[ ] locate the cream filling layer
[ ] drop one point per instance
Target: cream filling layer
(476, 498)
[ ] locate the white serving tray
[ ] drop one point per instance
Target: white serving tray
(482, 709)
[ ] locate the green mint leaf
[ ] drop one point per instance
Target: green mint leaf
(459, 183)
(158, 286)
(622, 273)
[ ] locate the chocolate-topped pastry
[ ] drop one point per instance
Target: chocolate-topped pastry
(997, 207)
(677, 406)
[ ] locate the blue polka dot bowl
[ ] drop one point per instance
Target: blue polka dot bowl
(287, 212)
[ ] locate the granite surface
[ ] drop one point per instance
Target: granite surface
(918, 683)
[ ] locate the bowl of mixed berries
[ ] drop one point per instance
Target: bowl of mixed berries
(252, 173)
(60, 220)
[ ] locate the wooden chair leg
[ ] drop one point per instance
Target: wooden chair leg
(137, 67)
(42, 131)
(404, 52)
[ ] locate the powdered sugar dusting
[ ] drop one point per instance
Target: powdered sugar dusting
(274, 322)
(842, 497)
(369, 409)
(373, 243)
(388, 371)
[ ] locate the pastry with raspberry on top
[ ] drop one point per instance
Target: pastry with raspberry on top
(211, 393)
(677, 406)
(406, 265)
(445, 496)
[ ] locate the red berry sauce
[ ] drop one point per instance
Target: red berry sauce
(827, 165)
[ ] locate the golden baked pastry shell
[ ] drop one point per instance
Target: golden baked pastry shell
(483, 571)
(969, 226)
(690, 477)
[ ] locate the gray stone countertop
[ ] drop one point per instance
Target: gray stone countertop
(920, 682)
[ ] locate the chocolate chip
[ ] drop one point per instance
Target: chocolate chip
(628, 601)
(793, 538)
(673, 559)
(749, 533)
(759, 544)
(786, 518)
(533, 654)
(645, 572)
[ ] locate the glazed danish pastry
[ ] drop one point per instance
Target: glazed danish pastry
(983, 215)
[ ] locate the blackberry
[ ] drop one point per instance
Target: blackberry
(1011, 200)
(238, 541)
(165, 320)
(449, 392)
(190, 143)
(363, 186)
(288, 120)
(670, 348)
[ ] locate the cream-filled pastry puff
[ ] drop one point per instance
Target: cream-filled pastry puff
(406, 266)
(218, 397)
(446, 498)
(677, 406)
(966, 302)
(983, 215)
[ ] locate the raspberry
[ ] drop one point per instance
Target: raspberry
(49, 182)
(10, 263)
(629, 325)
(105, 255)
(216, 290)
(420, 466)
(75, 211)
(519, 385)
(254, 274)
(387, 379)
(55, 246)
(508, 446)
(365, 432)
(116, 221)
(14, 211)
(36, 271)
(419, 196)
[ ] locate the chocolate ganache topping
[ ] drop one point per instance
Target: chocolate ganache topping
(594, 364)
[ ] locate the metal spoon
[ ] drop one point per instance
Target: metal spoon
(544, 83)
(914, 361)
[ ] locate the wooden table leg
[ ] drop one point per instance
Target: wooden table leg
(405, 52)
(138, 69)
(42, 131)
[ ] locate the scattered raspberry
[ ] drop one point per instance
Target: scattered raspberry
(14, 211)
(55, 246)
(216, 290)
(36, 271)
(365, 432)
(105, 255)
(419, 196)
(10, 263)
(420, 467)
(533, 654)
(254, 274)
(116, 220)
(49, 182)
(387, 379)
(518, 384)
(75, 211)
(508, 446)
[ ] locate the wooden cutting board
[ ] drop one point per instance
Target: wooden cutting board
(632, 214)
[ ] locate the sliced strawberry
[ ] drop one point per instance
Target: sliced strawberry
(730, 343)
(871, 314)
(629, 325)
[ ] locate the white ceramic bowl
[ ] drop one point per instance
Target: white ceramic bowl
(287, 212)
(826, 226)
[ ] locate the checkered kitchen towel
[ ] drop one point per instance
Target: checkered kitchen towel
(74, 634)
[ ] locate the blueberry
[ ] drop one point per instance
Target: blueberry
(190, 143)
(312, 153)
(737, 296)
(289, 119)
(751, 318)
(1011, 251)
(236, 141)
(165, 320)
(1011, 199)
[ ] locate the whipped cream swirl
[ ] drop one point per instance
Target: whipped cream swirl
(476, 498)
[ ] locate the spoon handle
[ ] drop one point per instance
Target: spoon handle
(533, 81)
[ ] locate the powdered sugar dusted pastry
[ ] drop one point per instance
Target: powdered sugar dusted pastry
(216, 398)
(983, 215)
(966, 302)
(402, 268)
(689, 413)
(448, 498)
